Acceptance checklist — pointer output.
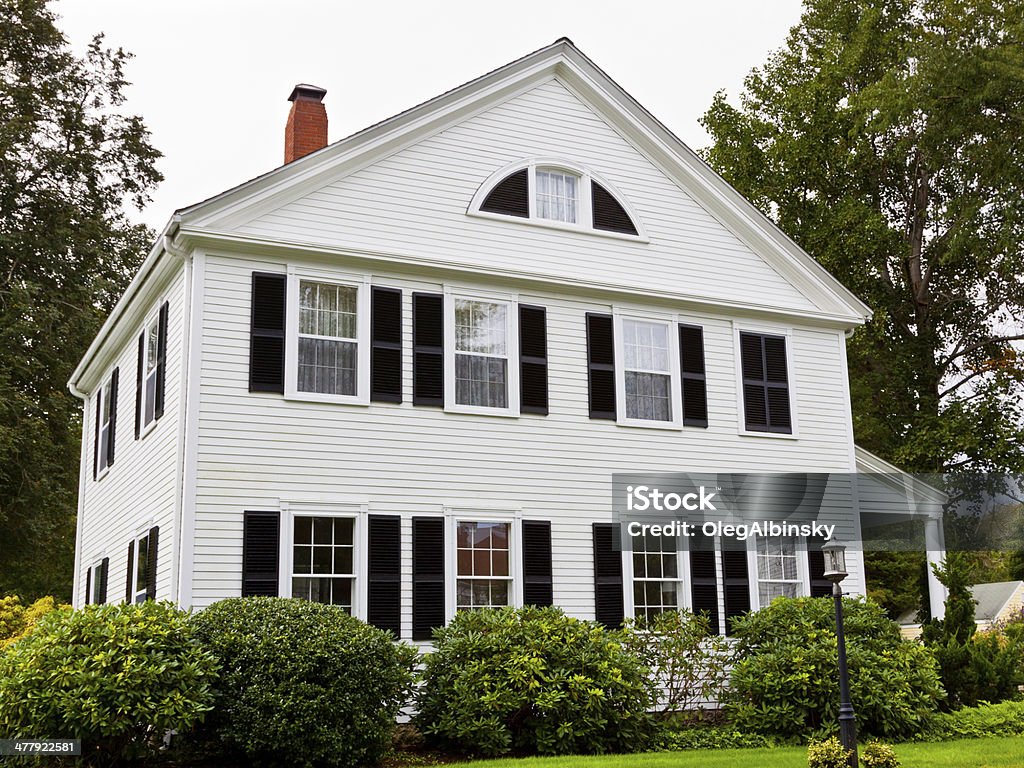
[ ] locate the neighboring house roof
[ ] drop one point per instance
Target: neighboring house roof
(214, 220)
(992, 601)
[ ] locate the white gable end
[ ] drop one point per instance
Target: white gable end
(414, 203)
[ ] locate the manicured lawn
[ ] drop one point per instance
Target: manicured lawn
(969, 753)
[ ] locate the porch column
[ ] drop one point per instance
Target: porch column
(936, 551)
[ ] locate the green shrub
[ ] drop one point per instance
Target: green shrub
(984, 721)
(828, 753)
(533, 680)
(690, 661)
(785, 683)
(17, 620)
(118, 677)
(713, 737)
(875, 754)
(302, 683)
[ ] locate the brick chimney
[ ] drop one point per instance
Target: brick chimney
(306, 130)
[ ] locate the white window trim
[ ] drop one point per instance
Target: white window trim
(139, 536)
(741, 425)
(102, 468)
(452, 517)
(684, 596)
(152, 320)
(357, 513)
(291, 346)
(93, 580)
(803, 577)
(675, 394)
(511, 351)
(584, 210)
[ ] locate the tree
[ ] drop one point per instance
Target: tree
(884, 138)
(70, 161)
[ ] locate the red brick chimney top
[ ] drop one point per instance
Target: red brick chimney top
(306, 130)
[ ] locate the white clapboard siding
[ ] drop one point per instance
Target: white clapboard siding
(414, 203)
(140, 489)
(256, 451)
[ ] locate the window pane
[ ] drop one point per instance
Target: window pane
(343, 530)
(481, 381)
(322, 560)
(480, 326)
(152, 343)
(322, 529)
(303, 530)
(499, 562)
(303, 559)
(327, 367)
(646, 345)
(556, 195)
(326, 309)
(341, 593)
(465, 564)
(481, 562)
(150, 397)
(648, 396)
(343, 559)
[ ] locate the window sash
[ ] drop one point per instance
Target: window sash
(323, 580)
(103, 449)
(556, 195)
(482, 579)
(140, 568)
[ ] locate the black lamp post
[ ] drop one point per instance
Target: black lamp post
(835, 571)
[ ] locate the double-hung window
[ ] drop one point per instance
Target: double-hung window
(657, 585)
(327, 349)
(149, 372)
(483, 565)
(648, 382)
(96, 593)
(483, 356)
(557, 195)
(778, 571)
(142, 562)
(104, 434)
(323, 560)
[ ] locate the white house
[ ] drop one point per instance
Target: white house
(398, 372)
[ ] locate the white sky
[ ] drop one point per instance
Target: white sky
(211, 79)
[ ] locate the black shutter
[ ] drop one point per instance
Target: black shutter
(102, 578)
(266, 333)
(737, 585)
(384, 572)
(608, 214)
(261, 537)
(161, 363)
(427, 576)
(537, 584)
(154, 540)
(386, 345)
(765, 383)
(88, 586)
(96, 435)
(820, 586)
(704, 586)
(601, 366)
(694, 380)
(533, 359)
(128, 578)
(608, 603)
(511, 197)
(427, 349)
(113, 417)
(138, 385)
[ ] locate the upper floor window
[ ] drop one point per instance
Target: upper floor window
(765, 371)
(647, 381)
(556, 193)
(327, 345)
(151, 375)
(106, 419)
(481, 355)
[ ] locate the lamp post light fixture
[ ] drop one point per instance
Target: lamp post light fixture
(835, 571)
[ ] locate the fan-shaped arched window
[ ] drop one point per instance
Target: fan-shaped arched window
(555, 193)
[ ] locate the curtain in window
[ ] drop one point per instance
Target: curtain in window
(776, 569)
(481, 353)
(327, 338)
(556, 196)
(648, 381)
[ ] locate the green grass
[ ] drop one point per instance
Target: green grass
(969, 753)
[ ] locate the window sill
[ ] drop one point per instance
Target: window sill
(671, 426)
(562, 226)
(313, 397)
(770, 435)
(476, 410)
(101, 473)
(145, 430)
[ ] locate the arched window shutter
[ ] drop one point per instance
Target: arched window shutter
(511, 197)
(609, 215)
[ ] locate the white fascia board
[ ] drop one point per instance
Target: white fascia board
(440, 270)
(869, 463)
(156, 271)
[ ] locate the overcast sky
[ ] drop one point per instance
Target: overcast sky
(211, 79)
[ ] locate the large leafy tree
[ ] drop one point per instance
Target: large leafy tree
(885, 138)
(70, 162)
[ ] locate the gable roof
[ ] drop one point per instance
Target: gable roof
(990, 600)
(214, 218)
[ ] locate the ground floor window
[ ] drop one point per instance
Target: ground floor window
(323, 560)
(484, 579)
(777, 571)
(656, 576)
(142, 562)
